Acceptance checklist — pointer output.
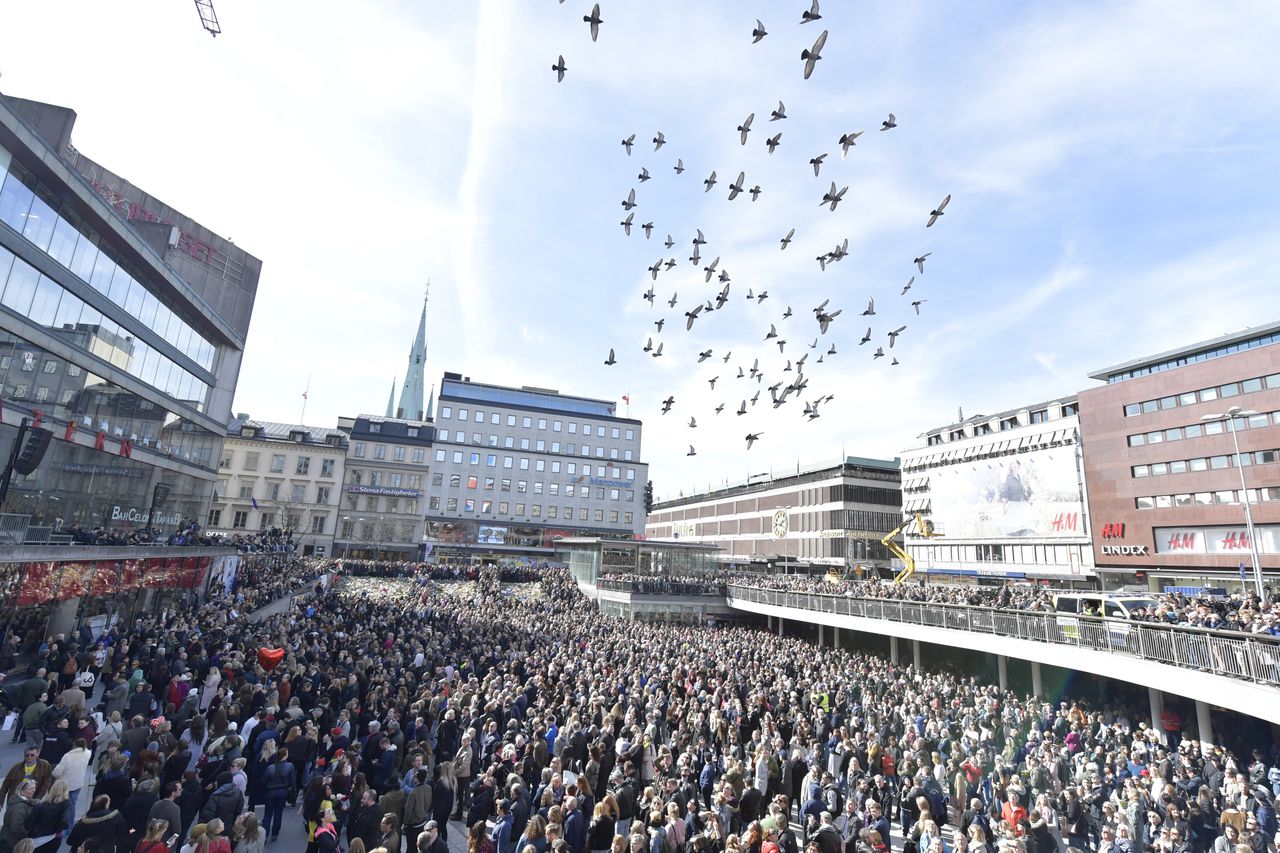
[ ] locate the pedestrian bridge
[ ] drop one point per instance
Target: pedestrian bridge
(1236, 671)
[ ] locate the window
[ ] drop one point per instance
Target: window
(398, 454)
(626, 518)
(552, 510)
(537, 487)
(463, 414)
(522, 486)
(573, 428)
(1130, 410)
(488, 484)
(1141, 471)
(582, 513)
(479, 416)
(455, 481)
(493, 441)
(555, 427)
(511, 420)
(322, 495)
(379, 451)
(502, 507)
(526, 422)
(507, 461)
(1219, 462)
(475, 459)
(1040, 416)
(246, 491)
(495, 418)
(542, 423)
(491, 460)
(472, 482)
(1200, 464)
(486, 506)
(266, 521)
(568, 490)
(1208, 394)
(613, 494)
(571, 467)
(433, 503)
(508, 442)
(442, 435)
(1159, 469)
(446, 412)
(457, 457)
(537, 511)
(524, 464)
(599, 515)
(240, 519)
(394, 479)
(273, 491)
(1231, 389)
(555, 466)
(326, 468)
(506, 485)
(469, 505)
(524, 444)
(600, 431)
(277, 463)
(375, 427)
(540, 465)
(613, 516)
(304, 466)
(553, 488)
(451, 505)
(1193, 430)
(317, 524)
(215, 518)
(413, 432)
(540, 446)
(1137, 440)
(439, 455)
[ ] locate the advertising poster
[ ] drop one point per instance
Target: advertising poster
(1028, 495)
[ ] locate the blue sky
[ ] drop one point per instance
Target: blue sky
(1112, 165)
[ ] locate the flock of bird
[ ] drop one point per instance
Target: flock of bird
(790, 380)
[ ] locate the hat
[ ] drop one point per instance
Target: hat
(336, 731)
(233, 727)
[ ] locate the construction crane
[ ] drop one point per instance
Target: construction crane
(208, 17)
(921, 525)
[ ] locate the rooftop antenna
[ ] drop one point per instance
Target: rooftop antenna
(208, 17)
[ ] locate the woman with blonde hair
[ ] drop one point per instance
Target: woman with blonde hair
(248, 835)
(154, 840)
(48, 821)
(214, 841)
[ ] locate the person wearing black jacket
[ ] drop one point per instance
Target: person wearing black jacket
(365, 820)
(102, 824)
(137, 810)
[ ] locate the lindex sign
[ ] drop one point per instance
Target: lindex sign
(1126, 551)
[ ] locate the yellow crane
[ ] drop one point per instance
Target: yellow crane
(924, 527)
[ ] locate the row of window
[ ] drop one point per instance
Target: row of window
(398, 453)
(1262, 419)
(1170, 364)
(540, 445)
(1204, 395)
(297, 492)
(392, 479)
(1206, 463)
(487, 507)
(1035, 416)
(526, 422)
(931, 555)
(266, 520)
(375, 531)
(374, 503)
(302, 467)
(28, 208)
(1224, 497)
(43, 301)
(553, 465)
(570, 490)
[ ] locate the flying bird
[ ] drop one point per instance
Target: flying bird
(712, 381)
(628, 142)
(773, 332)
(811, 15)
(782, 343)
(890, 124)
(667, 404)
(669, 242)
(745, 128)
(736, 187)
(693, 423)
(649, 296)
(672, 302)
(630, 201)
(779, 113)
(893, 336)
(813, 54)
(691, 452)
(787, 313)
(657, 353)
(648, 345)
(671, 262)
(560, 68)
(762, 296)
(753, 437)
(742, 410)
(711, 270)
(825, 319)
(643, 176)
(832, 351)
(659, 141)
(659, 323)
(832, 197)
(759, 32)
(648, 230)
(696, 257)
(691, 315)
(699, 240)
(895, 362)
(727, 356)
(626, 223)
(610, 360)
(871, 308)
(937, 211)
(879, 353)
(704, 355)
(773, 141)
(719, 408)
(595, 21)
(679, 166)
(908, 287)
(919, 262)
(816, 163)
(847, 142)
(916, 305)
(709, 182)
(655, 269)
(786, 241)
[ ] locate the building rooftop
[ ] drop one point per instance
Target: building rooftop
(1227, 344)
(457, 387)
(764, 482)
(274, 431)
(982, 419)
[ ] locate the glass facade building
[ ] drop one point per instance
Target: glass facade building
(110, 336)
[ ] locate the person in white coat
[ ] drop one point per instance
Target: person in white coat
(72, 769)
(210, 688)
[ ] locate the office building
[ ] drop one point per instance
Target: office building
(1005, 494)
(285, 476)
(386, 470)
(515, 469)
(122, 330)
(829, 515)
(1165, 491)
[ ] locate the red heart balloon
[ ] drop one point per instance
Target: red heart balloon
(269, 659)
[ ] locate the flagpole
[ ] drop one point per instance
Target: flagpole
(302, 419)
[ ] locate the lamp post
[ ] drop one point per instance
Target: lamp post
(1230, 416)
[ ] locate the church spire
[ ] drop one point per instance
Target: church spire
(391, 400)
(411, 394)
(431, 403)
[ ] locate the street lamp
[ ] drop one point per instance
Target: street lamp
(1230, 416)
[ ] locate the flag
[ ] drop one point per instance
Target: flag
(254, 502)
(1242, 574)
(626, 398)
(126, 448)
(70, 433)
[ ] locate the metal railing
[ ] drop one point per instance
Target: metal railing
(1234, 655)
(661, 587)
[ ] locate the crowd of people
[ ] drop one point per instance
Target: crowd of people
(1239, 613)
(393, 710)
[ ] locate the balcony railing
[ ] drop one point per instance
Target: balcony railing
(661, 587)
(1234, 655)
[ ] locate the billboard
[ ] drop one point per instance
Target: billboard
(492, 535)
(1024, 496)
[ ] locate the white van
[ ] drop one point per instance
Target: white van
(1115, 606)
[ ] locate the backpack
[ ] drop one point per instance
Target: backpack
(832, 798)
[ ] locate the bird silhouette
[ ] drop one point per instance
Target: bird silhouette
(759, 32)
(709, 182)
(832, 351)
(782, 343)
(657, 353)
(671, 262)
(659, 141)
(916, 305)
(847, 142)
(773, 141)
(937, 211)
(831, 196)
(787, 313)
(648, 230)
(704, 355)
(679, 166)
(895, 362)
(871, 308)
(560, 68)
(786, 241)
(667, 404)
(691, 452)
(630, 201)
(755, 192)
(691, 316)
(816, 163)
(648, 345)
(753, 437)
(719, 408)
(643, 176)
(727, 356)
(696, 257)
(813, 54)
(693, 423)
(825, 319)
(659, 323)
(811, 15)
(879, 353)
(610, 360)
(595, 21)
(712, 382)
(669, 242)
(742, 410)
(648, 295)
(628, 142)
(671, 303)
(655, 269)
(893, 336)
(772, 333)
(919, 262)
(908, 287)
(762, 296)
(890, 124)
(779, 113)
(626, 223)
(736, 187)
(711, 270)
(698, 239)
(745, 128)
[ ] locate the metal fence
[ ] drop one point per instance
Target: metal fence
(1234, 655)
(661, 587)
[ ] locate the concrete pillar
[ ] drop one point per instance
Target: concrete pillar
(915, 654)
(1002, 663)
(836, 640)
(1205, 725)
(768, 623)
(820, 632)
(780, 623)
(62, 619)
(893, 649)
(1037, 683)
(1157, 708)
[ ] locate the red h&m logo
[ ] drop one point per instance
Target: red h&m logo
(1182, 542)
(1235, 542)
(1066, 521)
(1113, 530)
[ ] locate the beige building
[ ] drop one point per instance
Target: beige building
(287, 476)
(383, 487)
